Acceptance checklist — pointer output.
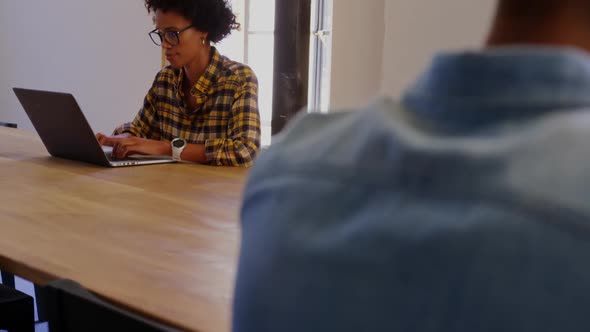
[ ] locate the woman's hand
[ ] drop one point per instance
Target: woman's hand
(107, 140)
(124, 146)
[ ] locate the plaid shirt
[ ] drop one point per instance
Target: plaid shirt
(226, 119)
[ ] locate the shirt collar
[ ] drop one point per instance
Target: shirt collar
(465, 91)
(205, 83)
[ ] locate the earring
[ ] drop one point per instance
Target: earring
(203, 41)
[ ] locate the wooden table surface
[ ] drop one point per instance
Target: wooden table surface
(161, 240)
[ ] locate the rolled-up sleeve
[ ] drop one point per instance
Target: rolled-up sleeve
(243, 140)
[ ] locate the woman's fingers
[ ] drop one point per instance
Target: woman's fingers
(100, 138)
(122, 148)
(118, 151)
(111, 140)
(115, 151)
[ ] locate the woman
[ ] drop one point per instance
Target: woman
(203, 107)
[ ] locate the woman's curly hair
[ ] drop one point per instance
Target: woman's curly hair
(212, 16)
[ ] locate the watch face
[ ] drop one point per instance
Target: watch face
(178, 143)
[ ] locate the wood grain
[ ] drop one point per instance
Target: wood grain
(160, 239)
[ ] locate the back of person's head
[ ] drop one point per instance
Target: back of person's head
(550, 22)
(542, 9)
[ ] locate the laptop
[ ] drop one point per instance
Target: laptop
(60, 123)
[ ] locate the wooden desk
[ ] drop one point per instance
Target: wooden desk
(161, 240)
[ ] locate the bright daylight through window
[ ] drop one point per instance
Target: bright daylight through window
(253, 45)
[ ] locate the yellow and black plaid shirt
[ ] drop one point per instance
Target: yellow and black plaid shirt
(226, 119)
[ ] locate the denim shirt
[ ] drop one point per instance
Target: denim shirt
(463, 207)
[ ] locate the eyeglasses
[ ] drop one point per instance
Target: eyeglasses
(170, 37)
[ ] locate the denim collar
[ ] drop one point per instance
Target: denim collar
(471, 90)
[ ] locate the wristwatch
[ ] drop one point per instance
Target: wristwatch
(178, 144)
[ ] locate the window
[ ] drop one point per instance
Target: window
(320, 63)
(254, 46)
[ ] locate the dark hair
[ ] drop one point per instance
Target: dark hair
(212, 16)
(539, 10)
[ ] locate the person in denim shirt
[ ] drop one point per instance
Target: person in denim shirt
(463, 207)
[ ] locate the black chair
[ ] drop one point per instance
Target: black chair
(7, 279)
(70, 307)
(6, 124)
(17, 311)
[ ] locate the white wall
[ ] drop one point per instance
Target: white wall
(380, 47)
(100, 51)
(417, 29)
(357, 51)
(97, 50)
